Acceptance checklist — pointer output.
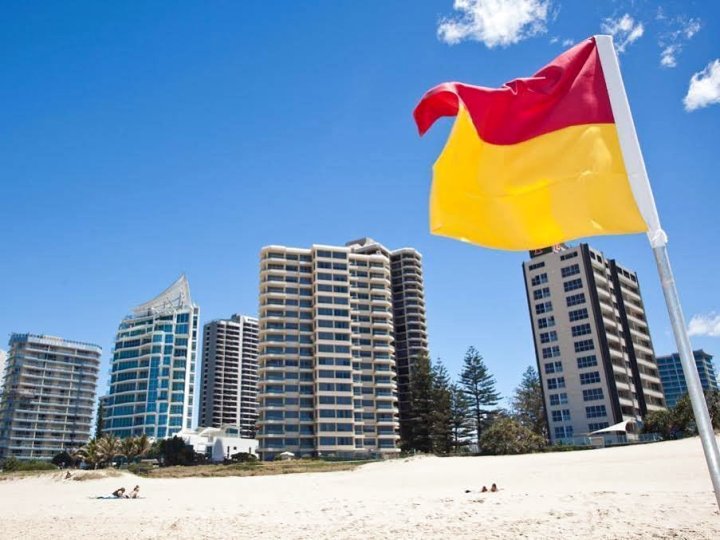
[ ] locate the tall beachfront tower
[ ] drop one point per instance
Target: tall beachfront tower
(592, 341)
(673, 378)
(153, 367)
(409, 322)
(228, 393)
(3, 358)
(49, 395)
(328, 373)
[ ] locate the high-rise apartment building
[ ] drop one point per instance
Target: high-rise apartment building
(592, 341)
(328, 372)
(673, 378)
(3, 358)
(153, 367)
(230, 374)
(49, 394)
(409, 321)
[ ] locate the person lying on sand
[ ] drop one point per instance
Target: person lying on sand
(119, 493)
(134, 494)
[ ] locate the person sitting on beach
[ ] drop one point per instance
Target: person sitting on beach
(134, 494)
(68, 475)
(119, 493)
(494, 488)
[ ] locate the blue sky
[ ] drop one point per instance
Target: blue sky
(142, 140)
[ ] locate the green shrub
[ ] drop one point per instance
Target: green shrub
(12, 464)
(140, 469)
(507, 436)
(243, 457)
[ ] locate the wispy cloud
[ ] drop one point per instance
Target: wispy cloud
(494, 22)
(625, 30)
(679, 31)
(554, 39)
(704, 90)
(705, 325)
(568, 42)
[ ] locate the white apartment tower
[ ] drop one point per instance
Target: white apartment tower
(592, 342)
(153, 367)
(327, 363)
(230, 374)
(48, 397)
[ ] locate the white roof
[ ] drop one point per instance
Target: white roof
(176, 295)
(621, 426)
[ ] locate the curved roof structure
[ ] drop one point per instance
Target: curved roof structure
(175, 296)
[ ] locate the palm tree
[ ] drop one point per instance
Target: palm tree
(108, 446)
(142, 446)
(89, 453)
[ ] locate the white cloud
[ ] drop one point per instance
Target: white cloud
(705, 325)
(568, 42)
(554, 39)
(679, 30)
(704, 90)
(494, 22)
(668, 56)
(624, 30)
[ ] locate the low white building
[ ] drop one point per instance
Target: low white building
(218, 444)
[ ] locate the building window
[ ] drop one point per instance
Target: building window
(539, 279)
(548, 337)
(581, 330)
(551, 352)
(558, 399)
(578, 314)
(555, 383)
(541, 293)
(586, 361)
(568, 256)
(561, 416)
(595, 411)
(575, 299)
(572, 285)
(545, 307)
(571, 270)
(584, 345)
(546, 322)
(553, 367)
(563, 432)
(537, 265)
(594, 426)
(590, 378)
(593, 394)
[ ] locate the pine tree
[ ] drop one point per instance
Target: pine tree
(99, 419)
(478, 385)
(441, 416)
(527, 403)
(420, 406)
(460, 417)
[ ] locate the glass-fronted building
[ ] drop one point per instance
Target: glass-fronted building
(673, 378)
(152, 379)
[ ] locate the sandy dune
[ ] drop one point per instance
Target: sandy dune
(652, 491)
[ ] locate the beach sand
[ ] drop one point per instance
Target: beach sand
(647, 491)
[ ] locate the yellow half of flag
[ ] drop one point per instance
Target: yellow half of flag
(534, 163)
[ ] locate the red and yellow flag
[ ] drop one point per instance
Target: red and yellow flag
(533, 163)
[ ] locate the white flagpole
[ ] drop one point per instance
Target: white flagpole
(635, 167)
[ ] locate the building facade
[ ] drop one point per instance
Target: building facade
(49, 395)
(228, 392)
(673, 378)
(153, 367)
(3, 358)
(409, 322)
(327, 363)
(592, 342)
